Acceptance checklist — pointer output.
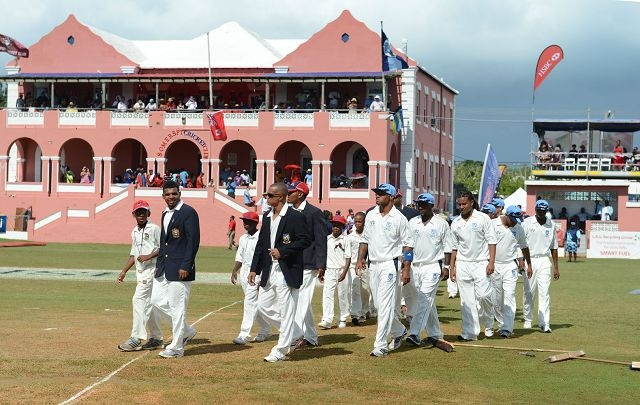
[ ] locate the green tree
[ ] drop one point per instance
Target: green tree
(468, 173)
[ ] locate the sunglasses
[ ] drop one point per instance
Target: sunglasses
(271, 195)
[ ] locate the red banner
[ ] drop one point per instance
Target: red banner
(216, 123)
(548, 60)
(13, 47)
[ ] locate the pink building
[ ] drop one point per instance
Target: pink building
(285, 104)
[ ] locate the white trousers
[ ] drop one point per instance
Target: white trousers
(504, 280)
(475, 297)
(410, 295)
(452, 288)
(328, 295)
(540, 281)
(383, 279)
(425, 279)
(250, 313)
(365, 293)
(287, 302)
(171, 298)
(355, 295)
(305, 326)
(143, 312)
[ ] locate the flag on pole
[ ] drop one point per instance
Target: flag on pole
(216, 123)
(13, 47)
(549, 58)
(397, 121)
(389, 60)
(490, 177)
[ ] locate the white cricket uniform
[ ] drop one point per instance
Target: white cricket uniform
(338, 251)
(143, 242)
(244, 254)
(385, 235)
(471, 240)
(359, 297)
(505, 276)
(541, 240)
(431, 239)
(171, 299)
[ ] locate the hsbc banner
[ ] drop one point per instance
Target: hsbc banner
(614, 245)
(548, 59)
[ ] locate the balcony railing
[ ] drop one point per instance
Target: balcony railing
(572, 165)
(234, 118)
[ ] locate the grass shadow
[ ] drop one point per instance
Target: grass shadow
(340, 338)
(317, 353)
(214, 348)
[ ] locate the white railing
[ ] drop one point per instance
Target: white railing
(179, 119)
(74, 118)
(129, 119)
(16, 117)
(241, 119)
(24, 187)
(349, 120)
(76, 188)
(292, 119)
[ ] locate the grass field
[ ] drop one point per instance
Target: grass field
(60, 337)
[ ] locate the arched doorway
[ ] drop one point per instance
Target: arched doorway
(25, 163)
(128, 154)
(237, 156)
(183, 154)
(74, 154)
(350, 165)
(292, 153)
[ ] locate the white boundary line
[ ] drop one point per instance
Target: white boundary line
(122, 367)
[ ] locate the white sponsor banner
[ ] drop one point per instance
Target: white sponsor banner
(616, 245)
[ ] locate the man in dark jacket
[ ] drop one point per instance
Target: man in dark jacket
(176, 266)
(315, 260)
(278, 259)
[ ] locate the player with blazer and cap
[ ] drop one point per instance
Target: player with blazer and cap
(176, 266)
(279, 261)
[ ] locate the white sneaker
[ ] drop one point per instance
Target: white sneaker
(188, 336)
(488, 332)
(240, 341)
(526, 325)
(379, 353)
(261, 337)
(170, 354)
(324, 325)
(273, 359)
(342, 324)
(397, 341)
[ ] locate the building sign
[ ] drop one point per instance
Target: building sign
(166, 141)
(614, 245)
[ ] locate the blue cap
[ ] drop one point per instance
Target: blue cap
(514, 212)
(542, 205)
(498, 202)
(425, 198)
(385, 188)
(488, 208)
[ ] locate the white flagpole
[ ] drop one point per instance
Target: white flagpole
(209, 67)
(384, 87)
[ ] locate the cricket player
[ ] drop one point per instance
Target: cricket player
(359, 283)
(473, 253)
(386, 229)
(541, 239)
(430, 234)
(244, 257)
(510, 241)
(145, 243)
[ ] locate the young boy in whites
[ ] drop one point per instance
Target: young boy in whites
(244, 257)
(336, 275)
(432, 237)
(510, 240)
(473, 253)
(145, 242)
(359, 283)
(541, 238)
(386, 231)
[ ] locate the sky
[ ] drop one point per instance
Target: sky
(487, 50)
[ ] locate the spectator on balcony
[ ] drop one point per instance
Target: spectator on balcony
(582, 151)
(200, 181)
(231, 187)
(85, 175)
(334, 99)
(138, 106)
(563, 213)
(151, 105)
(377, 105)
(279, 176)
(191, 104)
(607, 212)
(128, 176)
(162, 104)
(141, 178)
(635, 158)
(582, 218)
(71, 107)
(368, 102)
(619, 160)
(246, 179)
(69, 176)
(115, 103)
(224, 174)
(20, 104)
(353, 105)
(238, 179)
(122, 105)
(573, 152)
(248, 199)
(180, 106)
(544, 155)
(171, 104)
(308, 178)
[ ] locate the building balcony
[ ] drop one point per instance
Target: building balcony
(553, 165)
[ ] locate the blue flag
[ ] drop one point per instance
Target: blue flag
(389, 60)
(490, 177)
(397, 122)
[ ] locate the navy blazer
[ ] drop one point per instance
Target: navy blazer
(179, 245)
(292, 237)
(315, 256)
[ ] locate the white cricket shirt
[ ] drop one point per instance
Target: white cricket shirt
(471, 238)
(430, 240)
